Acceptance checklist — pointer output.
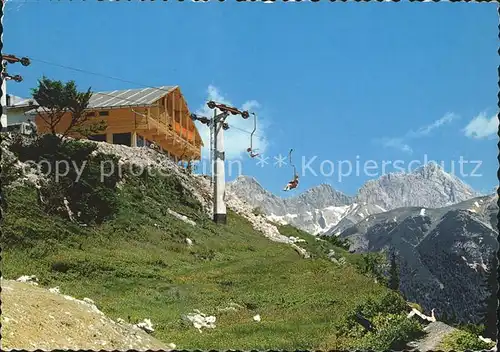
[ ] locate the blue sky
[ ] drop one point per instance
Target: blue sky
(341, 82)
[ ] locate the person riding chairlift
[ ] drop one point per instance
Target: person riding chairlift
(292, 184)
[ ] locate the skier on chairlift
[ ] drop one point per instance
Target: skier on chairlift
(295, 182)
(292, 184)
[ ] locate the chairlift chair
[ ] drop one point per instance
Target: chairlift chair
(251, 150)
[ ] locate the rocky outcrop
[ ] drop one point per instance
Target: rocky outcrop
(150, 161)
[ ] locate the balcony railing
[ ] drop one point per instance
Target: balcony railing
(159, 123)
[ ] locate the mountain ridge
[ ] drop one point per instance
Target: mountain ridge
(318, 209)
(443, 252)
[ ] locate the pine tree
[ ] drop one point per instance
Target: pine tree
(490, 304)
(393, 274)
(58, 99)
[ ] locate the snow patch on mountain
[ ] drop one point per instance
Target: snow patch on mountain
(443, 253)
(428, 186)
(323, 210)
(314, 211)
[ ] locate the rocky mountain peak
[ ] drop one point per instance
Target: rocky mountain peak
(428, 186)
(430, 170)
(248, 180)
(322, 196)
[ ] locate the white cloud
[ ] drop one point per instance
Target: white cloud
(424, 131)
(397, 143)
(481, 127)
(237, 138)
(402, 143)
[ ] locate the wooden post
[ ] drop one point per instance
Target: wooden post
(165, 100)
(173, 117)
(185, 118)
(134, 139)
(173, 107)
(188, 121)
(184, 128)
(109, 137)
(148, 116)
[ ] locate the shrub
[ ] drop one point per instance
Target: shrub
(336, 241)
(372, 265)
(78, 178)
(416, 306)
(388, 303)
(472, 328)
(461, 340)
(394, 331)
(388, 315)
(60, 266)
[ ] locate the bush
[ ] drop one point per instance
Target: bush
(388, 315)
(372, 265)
(388, 303)
(336, 241)
(416, 306)
(73, 172)
(461, 340)
(472, 328)
(394, 331)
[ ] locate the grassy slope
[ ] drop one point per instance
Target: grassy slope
(139, 265)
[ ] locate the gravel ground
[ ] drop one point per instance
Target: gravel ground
(436, 331)
(35, 318)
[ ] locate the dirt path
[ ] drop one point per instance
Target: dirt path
(35, 318)
(436, 331)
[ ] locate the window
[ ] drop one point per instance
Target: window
(103, 113)
(122, 138)
(98, 137)
(91, 113)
